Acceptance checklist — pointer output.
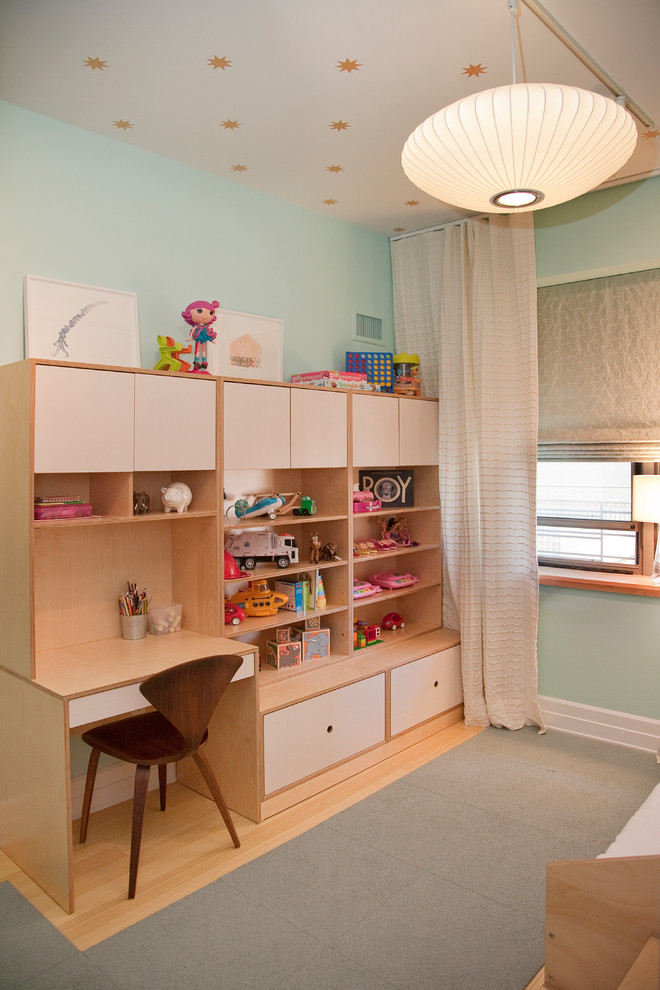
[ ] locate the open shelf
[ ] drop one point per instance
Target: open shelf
(257, 522)
(281, 618)
(280, 573)
(386, 554)
(387, 595)
(150, 517)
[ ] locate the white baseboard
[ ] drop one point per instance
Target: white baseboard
(619, 728)
(114, 784)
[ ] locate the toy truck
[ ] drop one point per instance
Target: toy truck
(307, 507)
(250, 547)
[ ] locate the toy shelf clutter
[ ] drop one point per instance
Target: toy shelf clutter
(292, 754)
(105, 434)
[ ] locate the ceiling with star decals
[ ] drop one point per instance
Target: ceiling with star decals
(307, 100)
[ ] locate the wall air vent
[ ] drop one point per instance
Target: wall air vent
(368, 329)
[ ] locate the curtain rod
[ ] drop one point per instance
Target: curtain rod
(583, 55)
(439, 226)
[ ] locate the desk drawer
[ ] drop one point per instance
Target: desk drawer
(315, 734)
(425, 688)
(121, 700)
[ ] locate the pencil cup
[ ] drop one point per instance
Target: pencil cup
(133, 626)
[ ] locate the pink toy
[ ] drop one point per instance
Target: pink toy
(393, 579)
(200, 315)
(365, 502)
(364, 589)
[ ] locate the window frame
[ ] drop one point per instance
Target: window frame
(645, 538)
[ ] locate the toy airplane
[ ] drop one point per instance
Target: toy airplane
(269, 504)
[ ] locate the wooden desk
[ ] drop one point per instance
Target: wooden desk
(75, 687)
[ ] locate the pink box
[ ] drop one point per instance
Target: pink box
(309, 376)
(373, 505)
(59, 511)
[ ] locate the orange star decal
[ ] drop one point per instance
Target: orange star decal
(411, 202)
(329, 202)
(651, 134)
(348, 65)
(239, 168)
(474, 70)
(230, 125)
(122, 125)
(334, 168)
(95, 63)
(339, 125)
(220, 63)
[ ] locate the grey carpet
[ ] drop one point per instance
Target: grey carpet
(434, 883)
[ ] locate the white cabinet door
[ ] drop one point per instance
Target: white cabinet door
(418, 432)
(425, 688)
(83, 420)
(174, 423)
(318, 428)
(257, 426)
(315, 734)
(375, 431)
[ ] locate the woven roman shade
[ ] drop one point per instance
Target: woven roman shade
(599, 369)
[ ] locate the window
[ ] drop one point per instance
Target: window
(584, 515)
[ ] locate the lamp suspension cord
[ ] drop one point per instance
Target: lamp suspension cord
(513, 10)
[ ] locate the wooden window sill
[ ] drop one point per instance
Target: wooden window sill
(625, 584)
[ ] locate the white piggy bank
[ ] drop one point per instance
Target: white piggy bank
(176, 497)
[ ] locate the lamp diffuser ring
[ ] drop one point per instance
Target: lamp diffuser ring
(517, 199)
(557, 142)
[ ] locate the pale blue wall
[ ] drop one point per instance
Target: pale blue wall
(605, 232)
(600, 648)
(83, 208)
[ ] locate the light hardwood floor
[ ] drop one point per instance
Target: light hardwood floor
(188, 847)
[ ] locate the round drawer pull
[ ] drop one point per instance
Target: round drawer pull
(329, 729)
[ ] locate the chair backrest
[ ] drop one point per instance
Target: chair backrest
(188, 694)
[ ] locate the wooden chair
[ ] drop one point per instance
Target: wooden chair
(185, 698)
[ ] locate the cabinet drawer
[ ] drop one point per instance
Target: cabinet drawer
(312, 735)
(425, 688)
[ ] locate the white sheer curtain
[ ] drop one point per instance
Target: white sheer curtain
(465, 301)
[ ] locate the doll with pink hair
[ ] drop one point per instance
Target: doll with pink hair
(199, 316)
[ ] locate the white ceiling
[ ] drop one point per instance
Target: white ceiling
(250, 89)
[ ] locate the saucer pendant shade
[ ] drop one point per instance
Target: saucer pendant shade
(535, 144)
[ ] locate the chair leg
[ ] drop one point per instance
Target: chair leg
(162, 784)
(92, 767)
(139, 799)
(212, 785)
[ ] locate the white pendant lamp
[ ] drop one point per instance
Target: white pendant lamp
(520, 147)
